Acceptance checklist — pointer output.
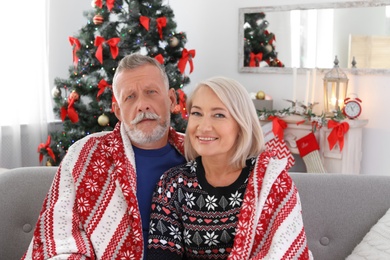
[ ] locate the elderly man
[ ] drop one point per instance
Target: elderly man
(99, 203)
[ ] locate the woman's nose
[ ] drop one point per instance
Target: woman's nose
(205, 124)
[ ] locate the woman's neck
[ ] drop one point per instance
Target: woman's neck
(220, 173)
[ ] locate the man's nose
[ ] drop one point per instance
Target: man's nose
(143, 104)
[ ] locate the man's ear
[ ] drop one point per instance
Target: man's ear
(117, 110)
(173, 98)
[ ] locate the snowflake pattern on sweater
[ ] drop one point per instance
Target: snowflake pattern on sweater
(192, 220)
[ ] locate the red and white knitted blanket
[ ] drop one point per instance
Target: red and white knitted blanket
(91, 210)
(270, 223)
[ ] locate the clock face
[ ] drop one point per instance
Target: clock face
(352, 109)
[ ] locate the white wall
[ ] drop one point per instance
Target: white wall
(212, 30)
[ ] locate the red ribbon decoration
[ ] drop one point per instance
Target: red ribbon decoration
(70, 111)
(110, 4)
(337, 134)
(144, 21)
(102, 85)
(76, 43)
(113, 47)
(160, 59)
(46, 146)
(186, 56)
(182, 103)
(278, 126)
(255, 59)
(99, 3)
(161, 23)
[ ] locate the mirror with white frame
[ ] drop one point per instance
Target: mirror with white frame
(311, 35)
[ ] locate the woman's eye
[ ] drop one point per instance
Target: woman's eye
(219, 115)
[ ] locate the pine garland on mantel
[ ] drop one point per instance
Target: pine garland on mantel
(304, 112)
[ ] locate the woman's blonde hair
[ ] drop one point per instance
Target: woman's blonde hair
(250, 140)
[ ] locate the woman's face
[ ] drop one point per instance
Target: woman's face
(211, 128)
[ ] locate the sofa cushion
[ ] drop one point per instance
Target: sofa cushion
(339, 210)
(376, 243)
(22, 191)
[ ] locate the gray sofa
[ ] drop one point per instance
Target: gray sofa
(338, 210)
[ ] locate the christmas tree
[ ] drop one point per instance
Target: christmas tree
(114, 28)
(259, 42)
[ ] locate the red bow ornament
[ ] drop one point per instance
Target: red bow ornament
(112, 43)
(144, 21)
(337, 133)
(186, 56)
(46, 146)
(76, 43)
(70, 111)
(160, 59)
(278, 126)
(255, 59)
(161, 23)
(110, 4)
(99, 3)
(102, 85)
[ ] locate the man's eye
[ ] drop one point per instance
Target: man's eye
(195, 113)
(129, 97)
(152, 91)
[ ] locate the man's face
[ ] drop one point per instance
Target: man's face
(144, 104)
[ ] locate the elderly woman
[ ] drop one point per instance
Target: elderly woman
(233, 199)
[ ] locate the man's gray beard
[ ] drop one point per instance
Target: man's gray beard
(140, 137)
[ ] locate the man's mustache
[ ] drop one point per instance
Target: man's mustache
(144, 115)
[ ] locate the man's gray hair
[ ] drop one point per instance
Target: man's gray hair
(136, 60)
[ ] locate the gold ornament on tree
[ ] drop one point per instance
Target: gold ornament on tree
(103, 120)
(173, 41)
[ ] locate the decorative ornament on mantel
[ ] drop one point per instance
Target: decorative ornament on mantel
(260, 95)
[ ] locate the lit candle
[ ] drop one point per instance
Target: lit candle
(307, 87)
(294, 84)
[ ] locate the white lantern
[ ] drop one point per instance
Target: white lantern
(335, 89)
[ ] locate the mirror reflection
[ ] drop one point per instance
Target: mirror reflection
(310, 36)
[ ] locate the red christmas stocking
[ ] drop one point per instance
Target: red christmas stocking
(309, 151)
